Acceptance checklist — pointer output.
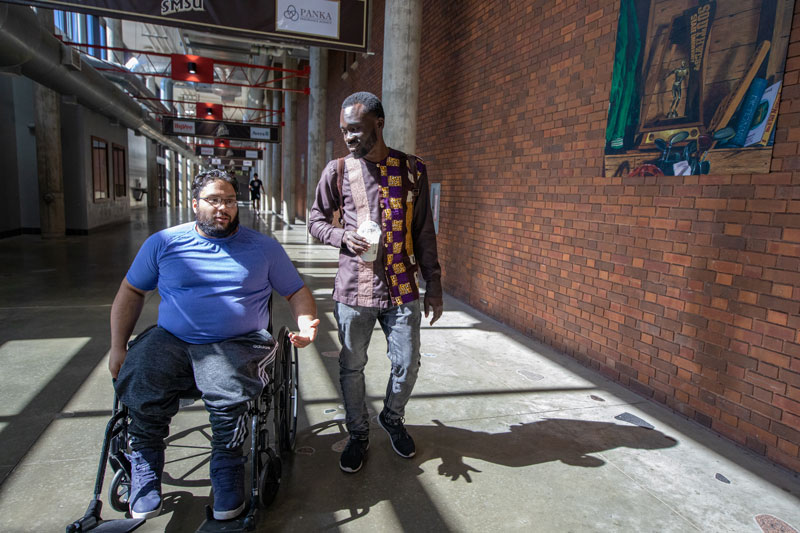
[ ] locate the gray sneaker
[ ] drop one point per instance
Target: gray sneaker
(353, 455)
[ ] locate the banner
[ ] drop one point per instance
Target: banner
(337, 24)
(232, 153)
(219, 130)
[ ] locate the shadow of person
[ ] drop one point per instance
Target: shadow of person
(334, 499)
(571, 442)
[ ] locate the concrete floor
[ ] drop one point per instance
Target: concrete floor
(511, 435)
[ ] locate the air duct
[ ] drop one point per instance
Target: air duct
(26, 47)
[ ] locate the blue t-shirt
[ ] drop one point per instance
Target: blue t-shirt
(213, 289)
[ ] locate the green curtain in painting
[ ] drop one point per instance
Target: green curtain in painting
(623, 113)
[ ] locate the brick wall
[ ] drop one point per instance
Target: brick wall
(685, 289)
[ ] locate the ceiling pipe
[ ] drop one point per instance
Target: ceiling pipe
(130, 81)
(27, 48)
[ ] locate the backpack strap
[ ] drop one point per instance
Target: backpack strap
(411, 161)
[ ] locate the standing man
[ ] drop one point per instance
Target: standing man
(389, 188)
(255, 191)
(215, 279)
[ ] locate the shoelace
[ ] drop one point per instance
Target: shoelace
(144, 473)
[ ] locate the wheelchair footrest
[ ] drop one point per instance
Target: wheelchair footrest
(244, 522)
(118, 526)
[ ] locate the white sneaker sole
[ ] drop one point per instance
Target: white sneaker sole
(354, 470)
(145, 516)
(228, 515)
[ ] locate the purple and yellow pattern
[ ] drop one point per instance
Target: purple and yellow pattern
(396, 215)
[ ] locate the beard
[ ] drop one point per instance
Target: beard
(364, 147)
(214, 229)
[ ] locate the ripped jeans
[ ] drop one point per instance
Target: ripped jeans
(401, 326)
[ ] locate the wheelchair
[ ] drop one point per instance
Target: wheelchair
(273, 432)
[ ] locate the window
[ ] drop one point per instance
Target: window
(100, 169)
(119, 168)
(59, 21)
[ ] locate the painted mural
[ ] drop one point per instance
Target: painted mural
(696, 86)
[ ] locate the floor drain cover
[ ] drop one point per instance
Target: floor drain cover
(533, 376)
(633, 419)
(305, 450)
(596, 398)
(772, 524)
(722, 478)
(329, 411)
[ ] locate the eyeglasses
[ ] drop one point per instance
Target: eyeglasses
(216, 201)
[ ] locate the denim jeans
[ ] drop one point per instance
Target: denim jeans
(160, 368)
(401, 325)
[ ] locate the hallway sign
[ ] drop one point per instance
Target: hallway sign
(310, 17)
(220, 130)
(337, 24)
(233, 153)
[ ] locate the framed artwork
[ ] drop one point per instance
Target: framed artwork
(696, 86)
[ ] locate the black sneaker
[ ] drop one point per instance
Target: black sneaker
(402, 442)
(353, 455)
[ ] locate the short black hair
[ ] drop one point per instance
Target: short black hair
(204, 178)
(372, 104)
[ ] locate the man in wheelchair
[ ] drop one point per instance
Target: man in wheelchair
(215, 279)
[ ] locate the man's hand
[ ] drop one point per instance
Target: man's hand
(435, 305)
(355, 242)
(307, 333)
(115, 359)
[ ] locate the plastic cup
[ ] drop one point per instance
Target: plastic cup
(372, 232)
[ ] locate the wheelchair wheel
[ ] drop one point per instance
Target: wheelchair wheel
(119, 491)
(286, 403)
(269, 478)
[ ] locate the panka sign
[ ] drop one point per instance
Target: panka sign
(338, 24)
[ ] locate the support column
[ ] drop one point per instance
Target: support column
(182, 180)
(289, 146)
(187, 182)
(172, 178)
(256, 99)
(400, 92)
(47, 123)
(277, 157)
(151, 152)
(317, 83)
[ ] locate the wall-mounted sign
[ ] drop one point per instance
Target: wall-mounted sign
(247, 163)
(338, 24)
(183, 127)
(436, 194)
(216, 161)
(220, 130)
(309, 17)
(204, 150)
(261, 134)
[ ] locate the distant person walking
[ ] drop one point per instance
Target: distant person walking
(256, 186)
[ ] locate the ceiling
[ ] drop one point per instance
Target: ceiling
(170, 40)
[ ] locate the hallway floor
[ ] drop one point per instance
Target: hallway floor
(511, 435)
